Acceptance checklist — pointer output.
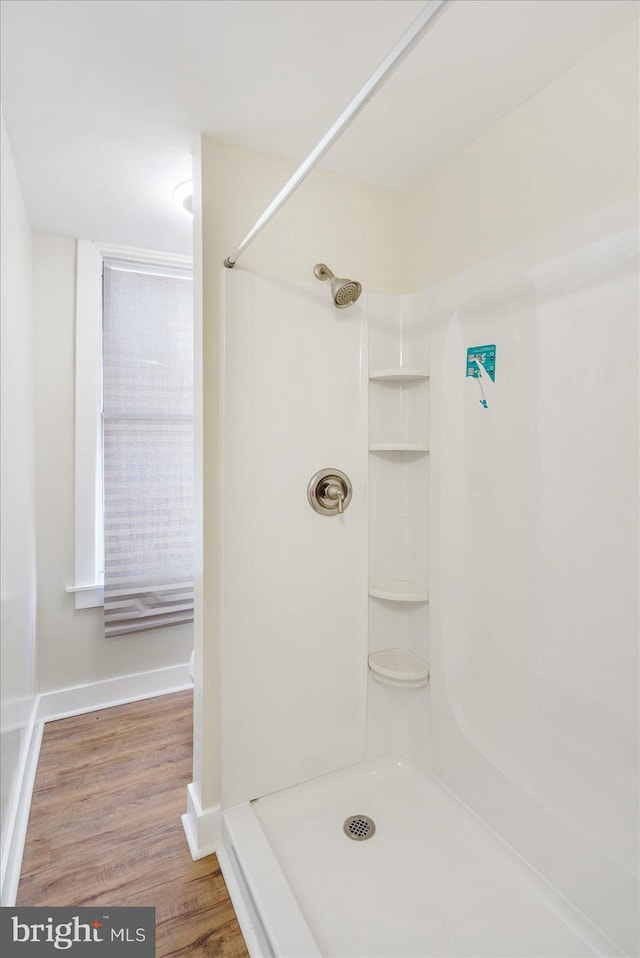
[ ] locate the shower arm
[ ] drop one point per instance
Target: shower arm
(404, 45)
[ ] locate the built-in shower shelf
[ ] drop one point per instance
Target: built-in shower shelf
(399, 667)
(398, 375)
(398, 447)
(399, 590)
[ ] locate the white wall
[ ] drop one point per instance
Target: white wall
(72, 648)
(17, 509)
(348, 224)
(529, 239)
(569, 150)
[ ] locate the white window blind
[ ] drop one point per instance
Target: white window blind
(148, 450)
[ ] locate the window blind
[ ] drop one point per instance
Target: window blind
(148, 450)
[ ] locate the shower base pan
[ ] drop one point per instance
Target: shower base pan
(432, 880)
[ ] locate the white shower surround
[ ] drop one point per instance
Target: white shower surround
(294, 582)
(535, 664)
(532, 704)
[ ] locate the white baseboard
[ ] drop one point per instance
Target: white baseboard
(109, 692)
(203, 827)
(61, 704)
(18, 817)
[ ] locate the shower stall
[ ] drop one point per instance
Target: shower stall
(427, 662)
(428, 548)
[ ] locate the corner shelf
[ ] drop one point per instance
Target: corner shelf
(398, 447)
(398, 375)
(399, 415)
(400, 668)
(399, 590)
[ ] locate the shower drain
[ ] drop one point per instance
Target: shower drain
(359, 827)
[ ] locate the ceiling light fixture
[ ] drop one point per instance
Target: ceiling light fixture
(183, 195)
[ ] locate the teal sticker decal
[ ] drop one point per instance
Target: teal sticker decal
(481, 362)
(484, 356)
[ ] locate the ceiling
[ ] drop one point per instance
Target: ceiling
(104, 100)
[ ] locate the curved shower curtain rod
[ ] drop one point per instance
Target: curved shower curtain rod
(404, 45)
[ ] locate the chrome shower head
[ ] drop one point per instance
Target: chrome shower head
(344, 291)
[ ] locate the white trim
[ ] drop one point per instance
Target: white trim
(18, 817)
(202, 827)
(87, 596)
(88, 431)
(102, 695)
(134, 258)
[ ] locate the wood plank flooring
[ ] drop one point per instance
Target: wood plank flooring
(105, 826)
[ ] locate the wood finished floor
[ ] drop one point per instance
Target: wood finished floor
(105, 826)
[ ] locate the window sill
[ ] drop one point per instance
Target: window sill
(88, 596)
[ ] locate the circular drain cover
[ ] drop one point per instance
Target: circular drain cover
(359, 827)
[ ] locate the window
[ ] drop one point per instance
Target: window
(148, 407)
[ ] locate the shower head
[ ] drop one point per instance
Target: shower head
(344, 291)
